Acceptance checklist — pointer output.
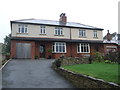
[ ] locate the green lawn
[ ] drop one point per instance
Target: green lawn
(107, 72)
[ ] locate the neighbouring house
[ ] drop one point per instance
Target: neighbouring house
(36, 38)
(111, 42)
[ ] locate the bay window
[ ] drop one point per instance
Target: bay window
(83, 48)
(59, 47)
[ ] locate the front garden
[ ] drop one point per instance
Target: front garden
(101, 70)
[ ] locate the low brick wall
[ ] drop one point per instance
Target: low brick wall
(72, 60)
(83, 81)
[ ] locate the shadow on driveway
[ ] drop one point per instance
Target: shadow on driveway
(32, 74)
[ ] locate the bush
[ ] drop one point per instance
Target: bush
(97, 56)
(58, 63)
(112, 56)
(36, 57)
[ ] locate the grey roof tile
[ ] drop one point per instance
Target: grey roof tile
(57, 23)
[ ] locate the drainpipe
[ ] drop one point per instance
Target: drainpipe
(70, 44)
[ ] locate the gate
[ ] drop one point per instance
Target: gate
(23, 50)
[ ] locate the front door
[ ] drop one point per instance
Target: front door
(42, 51)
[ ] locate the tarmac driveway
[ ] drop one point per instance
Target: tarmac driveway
(32, 74)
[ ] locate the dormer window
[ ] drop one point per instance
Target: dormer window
(42, 29)
(22, 29)
(58, 31)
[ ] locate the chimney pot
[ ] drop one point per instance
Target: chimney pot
(108, 36)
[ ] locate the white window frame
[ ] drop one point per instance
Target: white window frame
(59, 31)
(42, 29)
(82, 33)
(22, 28)
(95, 34)
(58, 45)
(79, 46)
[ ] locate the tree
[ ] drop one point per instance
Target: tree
(6, 46)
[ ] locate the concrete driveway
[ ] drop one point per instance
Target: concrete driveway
(32, 74)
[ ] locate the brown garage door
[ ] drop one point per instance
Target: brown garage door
(23, 50)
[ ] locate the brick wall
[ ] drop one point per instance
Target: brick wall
(71, 49)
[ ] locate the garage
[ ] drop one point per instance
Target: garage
(23, 50)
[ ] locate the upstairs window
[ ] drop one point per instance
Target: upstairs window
(83, 48)
(82, 33)
(59, 47)
(22, 29)
(58, 31)
(42, 30)
(95, 34)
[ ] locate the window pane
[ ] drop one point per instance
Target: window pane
(19, 30)
(61, 31)
(60, 49)
(56, 48)
(63, 48)
(78, 48)
(41, 31)
(25, 30)
(87, 50)
(82, 48)
(44, 31)
(84, 33)
(22, 29)
(58, 31)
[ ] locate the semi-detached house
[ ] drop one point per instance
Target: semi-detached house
(51, 39)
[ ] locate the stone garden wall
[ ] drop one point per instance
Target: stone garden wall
(72, 61)
(83, 81)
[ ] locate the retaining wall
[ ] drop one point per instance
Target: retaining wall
(83, 81)
(72, 60)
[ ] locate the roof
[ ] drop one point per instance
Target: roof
(54, 39)
(55, 23)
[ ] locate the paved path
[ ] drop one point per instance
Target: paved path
(32, 74)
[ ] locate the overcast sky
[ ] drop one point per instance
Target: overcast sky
(98, 13)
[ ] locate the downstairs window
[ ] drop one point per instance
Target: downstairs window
(59, 47)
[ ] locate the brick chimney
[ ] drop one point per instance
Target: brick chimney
(108, 36)
(63, 18)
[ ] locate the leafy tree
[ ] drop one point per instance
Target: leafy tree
(6, 45)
